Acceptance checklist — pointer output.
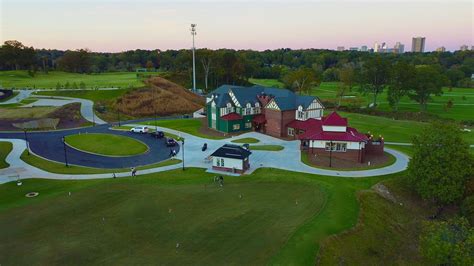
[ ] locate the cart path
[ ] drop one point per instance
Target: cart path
(287, 159)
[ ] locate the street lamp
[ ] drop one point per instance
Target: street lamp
(26, 141)
(65, 151)
(330, 154)
(193, 33)
(182, 147)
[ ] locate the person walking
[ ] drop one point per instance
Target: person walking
(134, 171)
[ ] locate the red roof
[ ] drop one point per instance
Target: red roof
(334, 119)
(351, 134)
(259, 119)
(231, 117)
(305, 125)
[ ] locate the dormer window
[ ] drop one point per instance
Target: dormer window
(248, 109)
(300, 114)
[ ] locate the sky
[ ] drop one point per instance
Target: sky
(119, 25)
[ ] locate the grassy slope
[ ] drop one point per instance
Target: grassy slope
(26, 112)
(129, 219)
(190, 126)
(19, 79)
(5, 149)
(93, 95)
(60, 168)
(386, 232)
(106, 144)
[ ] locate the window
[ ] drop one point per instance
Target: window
(300, 115)
(222, 162)
(256, 110)
(218, 162)
(236, 127)
(336, 146)
(291, 131)
(248, 109)
(248, 125)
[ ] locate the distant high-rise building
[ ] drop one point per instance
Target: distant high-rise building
(464, 48)
(399, 48)
(376, 47)
(353, 49)
(340, 48)
(441, 49)
(418, 44)
(363, 48)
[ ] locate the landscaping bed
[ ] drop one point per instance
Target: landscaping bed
(5, 149)
(69, 116)
(322, 161)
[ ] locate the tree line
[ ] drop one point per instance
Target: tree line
(417, 75)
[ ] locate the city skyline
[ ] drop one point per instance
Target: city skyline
(112, 26)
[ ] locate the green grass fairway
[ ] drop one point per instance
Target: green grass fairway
(246, 140)
(462, 98)
(266, 147)
(190, 126)
(5, 149)
(140, 220)
(21, 79)
(60, 168)
(267, 83)
(106, 144)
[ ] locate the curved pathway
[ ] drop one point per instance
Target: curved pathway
(22, 94)
(87, 106)
(49, 146)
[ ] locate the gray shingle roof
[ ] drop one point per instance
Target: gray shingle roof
(286, 99)
(232, 151)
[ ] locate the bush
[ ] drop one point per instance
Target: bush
(467, 209)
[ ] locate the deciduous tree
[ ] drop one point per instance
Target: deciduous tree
(374, 76)
(441, 163)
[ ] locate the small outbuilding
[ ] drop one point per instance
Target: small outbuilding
(231, 158)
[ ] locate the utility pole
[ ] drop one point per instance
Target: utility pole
(193, 33)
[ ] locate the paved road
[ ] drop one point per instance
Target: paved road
(49, 145)
(22, 94)
(87, 106)
(288, 159)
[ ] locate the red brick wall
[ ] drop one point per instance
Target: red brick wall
(277, 121)
(273, 126)
(374, 149)
(352, 155)
(230, 170)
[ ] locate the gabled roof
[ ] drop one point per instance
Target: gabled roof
(334, 119)
(351, 134)
(232, 117)
(232, 151)
(286, 99)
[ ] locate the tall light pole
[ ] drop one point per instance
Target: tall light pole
(65, 151)
(193, 33)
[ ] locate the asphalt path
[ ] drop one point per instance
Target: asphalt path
(49, 145)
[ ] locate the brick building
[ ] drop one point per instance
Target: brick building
(267, 110)
(332, 135)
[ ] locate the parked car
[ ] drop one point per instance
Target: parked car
(140, 129)
(171, 142)
(157, 134)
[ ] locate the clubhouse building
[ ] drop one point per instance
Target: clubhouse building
(283, 114)
(267, 110)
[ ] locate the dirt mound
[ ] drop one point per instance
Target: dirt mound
(162, 96)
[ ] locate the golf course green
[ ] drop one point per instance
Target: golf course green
(173, 217)
(106, 144)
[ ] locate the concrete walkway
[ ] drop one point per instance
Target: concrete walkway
(287, 159)
(87, 106)
(22, 94)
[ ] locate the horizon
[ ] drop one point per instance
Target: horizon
(116, 26)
